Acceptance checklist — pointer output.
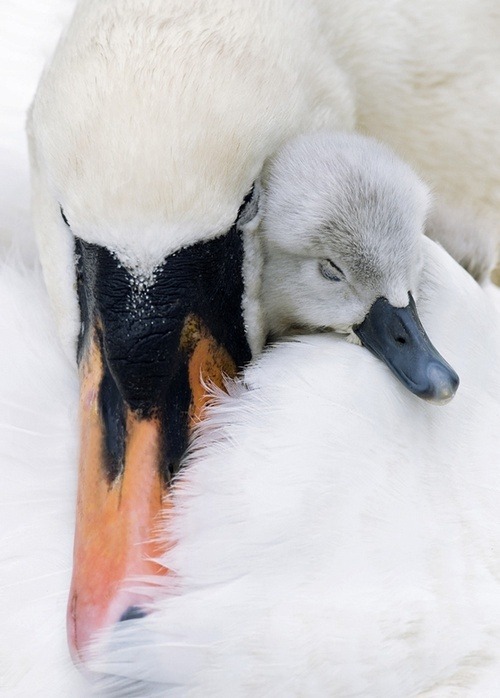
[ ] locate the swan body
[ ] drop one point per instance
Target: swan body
(365, 561)
(38, 417)
(329, 523)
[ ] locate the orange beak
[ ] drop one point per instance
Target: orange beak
(117, 518)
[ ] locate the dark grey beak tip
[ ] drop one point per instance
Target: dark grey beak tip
(133, 613)
(396, 336)
(443, 384)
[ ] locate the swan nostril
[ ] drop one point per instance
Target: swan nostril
(133, 613)
(400, 340)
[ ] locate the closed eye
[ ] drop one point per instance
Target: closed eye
(330, 270)
(63, 216)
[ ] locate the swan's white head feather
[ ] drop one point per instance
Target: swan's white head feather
(151, 144)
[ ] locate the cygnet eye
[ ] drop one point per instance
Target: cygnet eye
(330, 270)
(63, 216)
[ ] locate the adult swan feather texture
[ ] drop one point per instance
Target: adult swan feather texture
(147, 134)
(335, 534)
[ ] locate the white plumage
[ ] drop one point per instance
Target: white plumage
(327, 584)
(38, 421)
(362, 563)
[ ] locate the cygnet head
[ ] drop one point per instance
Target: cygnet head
(342, 228)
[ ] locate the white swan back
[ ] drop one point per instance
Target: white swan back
(337, 524)
(331, 524)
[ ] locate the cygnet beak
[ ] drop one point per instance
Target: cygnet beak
(396, 336)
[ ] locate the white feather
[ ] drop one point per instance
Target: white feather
(38, 450)
(335, 535)
(423, 615)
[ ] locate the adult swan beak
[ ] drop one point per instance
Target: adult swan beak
(148, 347)
(396, 336)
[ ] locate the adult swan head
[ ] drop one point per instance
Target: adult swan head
(147, 133)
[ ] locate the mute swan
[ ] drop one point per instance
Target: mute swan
(147, 162)
(33, 647)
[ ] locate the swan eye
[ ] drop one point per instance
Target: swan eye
(63, 216)
(330, 270)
